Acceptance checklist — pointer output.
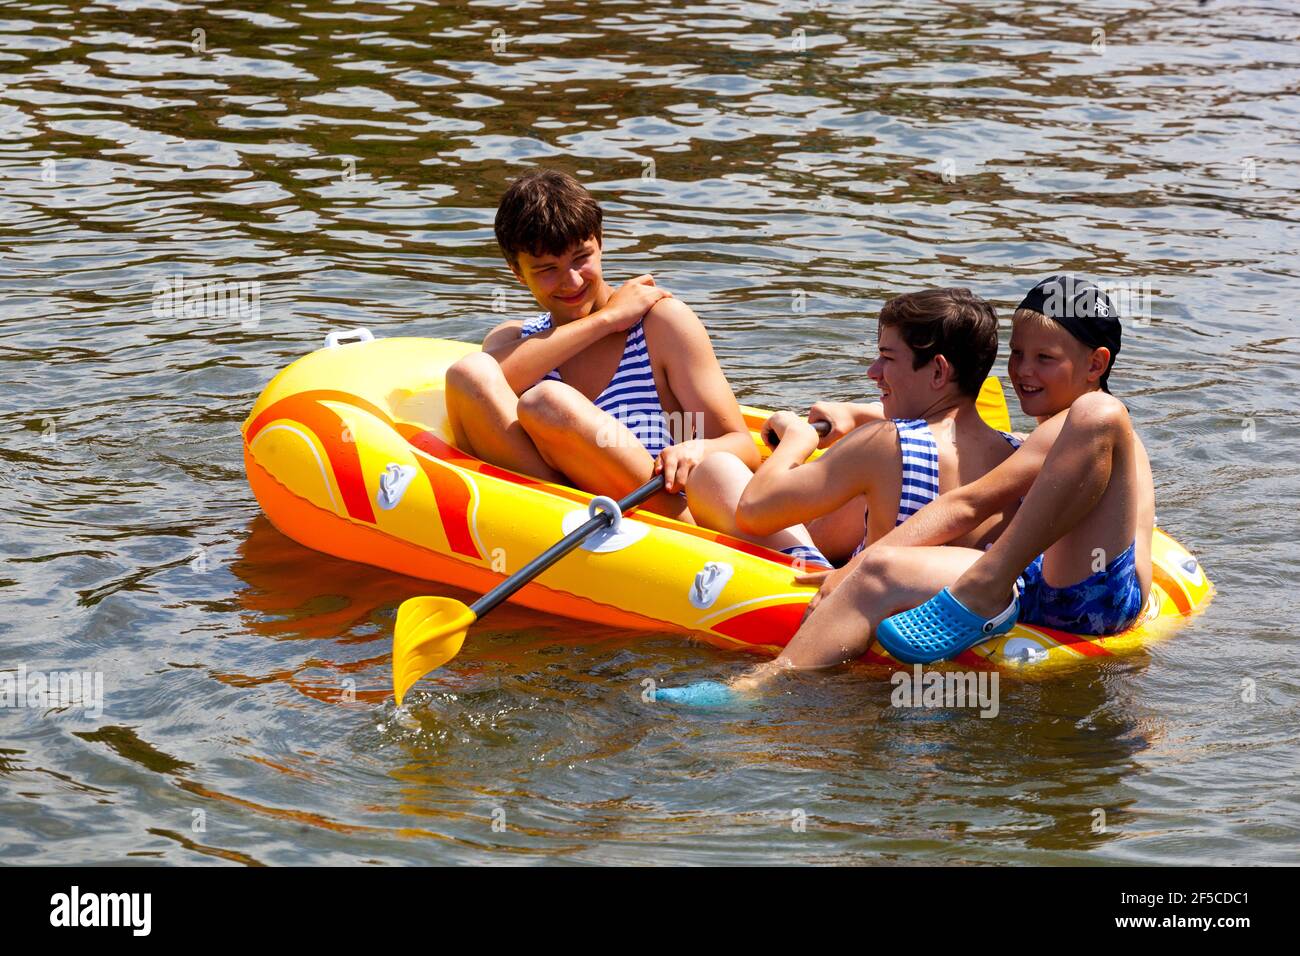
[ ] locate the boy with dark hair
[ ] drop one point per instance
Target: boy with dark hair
(605, 388)
(1089, 500)
(1077, 554)
(935, 350)
(1085, 518)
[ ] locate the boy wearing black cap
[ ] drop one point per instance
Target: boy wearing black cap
(1079, 546)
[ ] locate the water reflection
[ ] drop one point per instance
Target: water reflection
(782, 167)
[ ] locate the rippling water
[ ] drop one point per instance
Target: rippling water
(783, 167)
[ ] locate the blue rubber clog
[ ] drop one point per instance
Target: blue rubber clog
(941, 628)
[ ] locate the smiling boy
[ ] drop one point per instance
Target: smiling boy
(1079, 545)
(935, 350)
(607, 387)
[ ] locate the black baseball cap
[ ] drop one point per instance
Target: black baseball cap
(1083, 308)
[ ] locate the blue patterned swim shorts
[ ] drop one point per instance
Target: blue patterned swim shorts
(1103, 603)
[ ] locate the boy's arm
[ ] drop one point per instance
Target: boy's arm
(525, 362)
(786, 490)
(843, 417)
(963, 509)
(696, 379)
(501, 337)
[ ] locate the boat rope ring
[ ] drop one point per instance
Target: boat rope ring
(601, 504)
(614, 537)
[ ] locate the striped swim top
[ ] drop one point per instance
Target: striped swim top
(920, 479)
(631, 396)
(921, 465)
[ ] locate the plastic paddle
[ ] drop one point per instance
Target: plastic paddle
(431, 630)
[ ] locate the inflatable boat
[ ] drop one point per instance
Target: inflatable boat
(349, 452)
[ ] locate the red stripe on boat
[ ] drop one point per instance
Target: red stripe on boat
(1181, 597)
(431, 444)
(492, 471)
(775, 624)
(972, 660)
(276, 409)
(1076, 642)
(451, 495)
(326, 424)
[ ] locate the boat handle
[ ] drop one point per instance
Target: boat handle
(610, 507)
(337, 337)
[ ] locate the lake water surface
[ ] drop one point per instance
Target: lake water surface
(783, 168)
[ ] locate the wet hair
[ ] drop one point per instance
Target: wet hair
(954, 323)
(545, 212)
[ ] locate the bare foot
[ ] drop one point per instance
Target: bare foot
(755, 680)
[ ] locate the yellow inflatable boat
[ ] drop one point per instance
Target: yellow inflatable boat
(349, 452)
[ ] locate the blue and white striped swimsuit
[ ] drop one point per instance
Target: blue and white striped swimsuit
(920, 467)
(920, 484)
(630, 396)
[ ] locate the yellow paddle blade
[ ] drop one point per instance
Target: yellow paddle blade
(429, 633)
(992, 405)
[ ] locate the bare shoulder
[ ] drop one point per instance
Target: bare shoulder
(672, 320)
(876, 410)
(867, 447)
(1042, 438)
(1099, 406)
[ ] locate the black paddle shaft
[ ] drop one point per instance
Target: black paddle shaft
(562, 547)
(821, 428)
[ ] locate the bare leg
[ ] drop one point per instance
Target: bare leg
(1083, 504)
(483, 410)
(714, 492)
(838, 533)
(598, 452)
(884, 582)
